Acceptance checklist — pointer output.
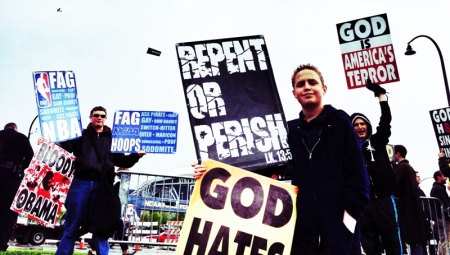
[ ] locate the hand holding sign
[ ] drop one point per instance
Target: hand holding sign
(441, 153)
(376, 88)
(199, 170)
(260, 213)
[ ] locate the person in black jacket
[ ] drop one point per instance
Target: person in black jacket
(94, 164)
(412, 218)
(15, 148)
(439, 191)
(418, 180)
(379, 224)
(325, 147)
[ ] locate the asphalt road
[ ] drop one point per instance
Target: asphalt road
(50, 245)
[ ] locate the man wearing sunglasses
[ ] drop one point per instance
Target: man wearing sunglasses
(94, 164)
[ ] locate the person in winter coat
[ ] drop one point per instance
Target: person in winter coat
(379, 224)
(93, 163)
(325, 147)
(413, 226)
(15, 149)
(439, 191)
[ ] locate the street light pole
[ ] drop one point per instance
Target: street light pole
(410, 51)
(31, 126)
(426, 179)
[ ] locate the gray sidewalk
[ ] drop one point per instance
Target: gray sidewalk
(50, 245)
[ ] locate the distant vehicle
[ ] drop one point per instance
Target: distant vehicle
(162, 237)
(35, 234)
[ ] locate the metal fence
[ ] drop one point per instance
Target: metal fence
(160, 203)
(438, 243)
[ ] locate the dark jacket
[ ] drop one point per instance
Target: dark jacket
(411, 216)
(382, 180)
(443, 166)
(328, 169)
(439, 191)
(87, 165)
(15, 147)
(421, 193)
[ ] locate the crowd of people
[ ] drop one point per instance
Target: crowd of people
(373, 202)
(91, 204)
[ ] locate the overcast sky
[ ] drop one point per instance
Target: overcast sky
(105, 44)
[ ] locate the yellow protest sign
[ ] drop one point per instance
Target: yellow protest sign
(234, 211)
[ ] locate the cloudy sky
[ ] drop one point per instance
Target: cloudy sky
(105, 44)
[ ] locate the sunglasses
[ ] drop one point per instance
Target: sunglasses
(98, 115)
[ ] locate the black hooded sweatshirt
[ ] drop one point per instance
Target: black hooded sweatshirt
(381, 174)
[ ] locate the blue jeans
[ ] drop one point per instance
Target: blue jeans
(80, 204)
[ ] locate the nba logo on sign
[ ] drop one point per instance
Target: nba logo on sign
(42, 87)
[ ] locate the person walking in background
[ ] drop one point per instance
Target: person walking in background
(15, 150)
(93, 164)
(130, 218)
(379, 223)
(411, 216)
(131, 214)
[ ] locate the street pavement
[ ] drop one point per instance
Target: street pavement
(50, 245)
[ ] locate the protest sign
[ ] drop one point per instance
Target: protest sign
(57, 103)
(44, 187)
(367, 51)
(234, 108)
(390, 152)
(233, 211)
(441, 125)
(150, 131)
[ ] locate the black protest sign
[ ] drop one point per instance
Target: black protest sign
(441, 124)
(234, 108)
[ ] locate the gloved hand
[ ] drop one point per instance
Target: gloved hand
(377, 89)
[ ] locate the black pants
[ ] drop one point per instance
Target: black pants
(9, 184)
(120, 235)
(379, 228)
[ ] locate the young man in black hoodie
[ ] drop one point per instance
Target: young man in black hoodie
(324, 147)
(379, 224)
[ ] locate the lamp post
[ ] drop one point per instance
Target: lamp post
(426, 178)
(31, 126)
(410, 51)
